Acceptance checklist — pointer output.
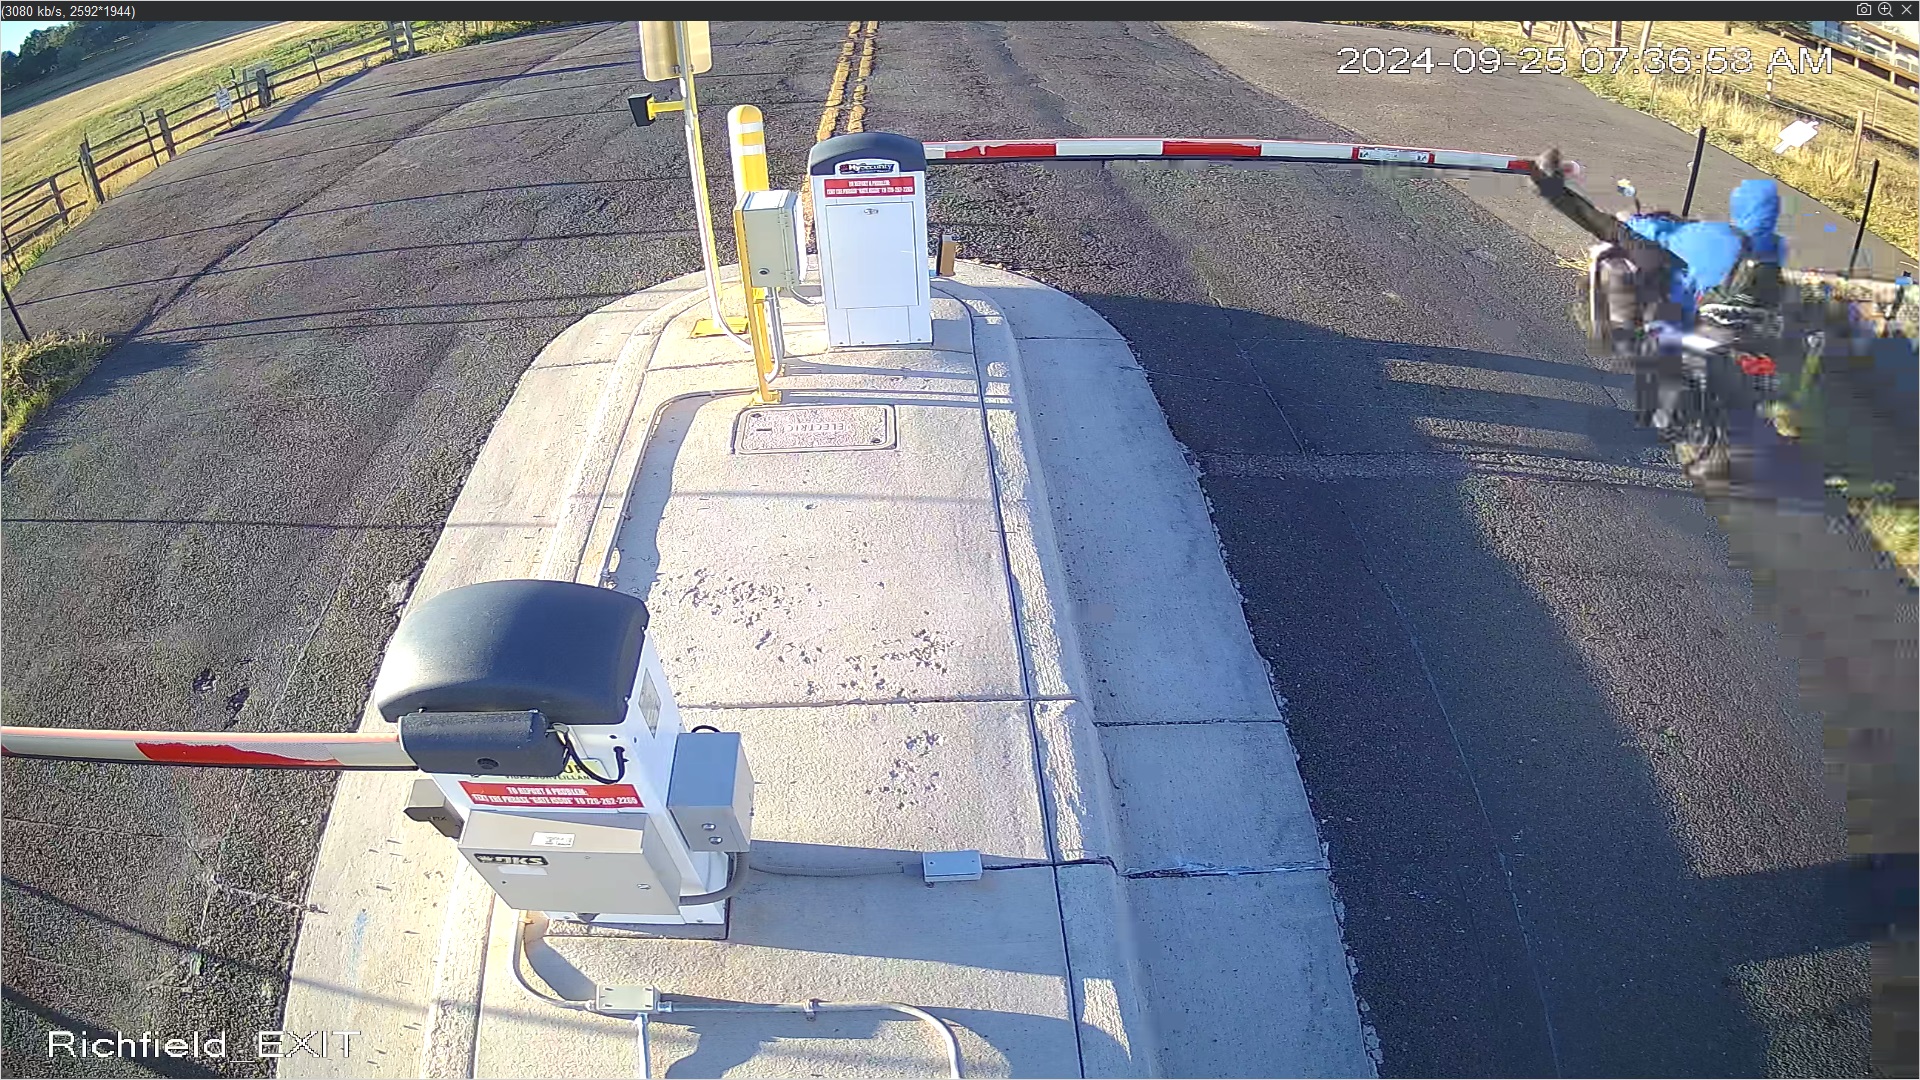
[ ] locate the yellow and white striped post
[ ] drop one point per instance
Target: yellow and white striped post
(747, 139)
(747, 135)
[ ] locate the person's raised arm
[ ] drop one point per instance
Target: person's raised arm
(1550, 180)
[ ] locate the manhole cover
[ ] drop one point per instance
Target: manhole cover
(781, 429)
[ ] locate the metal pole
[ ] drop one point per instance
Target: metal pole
(16, 313)
(709, 255)
(1693, 176)
(1865, 211)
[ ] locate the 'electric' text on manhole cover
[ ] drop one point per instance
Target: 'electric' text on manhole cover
(779, 429)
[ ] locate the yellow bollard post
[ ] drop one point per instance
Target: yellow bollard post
(747, 139)
(758, 333)
(746, 133)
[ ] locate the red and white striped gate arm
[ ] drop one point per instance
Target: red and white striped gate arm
(253, 750)
(980, 150)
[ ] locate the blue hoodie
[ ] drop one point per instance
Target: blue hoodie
(1709, 250)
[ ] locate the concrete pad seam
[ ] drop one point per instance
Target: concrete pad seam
(1026, 687)
(983, 314)
(450, 1043)
(1191, 723)
(831, 704)
(652, 328)
(1198, 870)
(638, 457)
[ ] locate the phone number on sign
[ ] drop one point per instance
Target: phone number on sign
(1592, 60)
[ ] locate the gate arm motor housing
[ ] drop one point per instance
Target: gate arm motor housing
(509, 743)
(555, 755)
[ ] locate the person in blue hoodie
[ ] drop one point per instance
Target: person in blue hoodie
(1735, 262)
(1721, 259)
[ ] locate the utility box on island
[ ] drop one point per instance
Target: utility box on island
(870, 224)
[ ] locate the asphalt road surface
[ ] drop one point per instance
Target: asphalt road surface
(1575, 803)
(1576, 809)
(327, 311)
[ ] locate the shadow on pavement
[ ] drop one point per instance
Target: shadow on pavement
(1571, 801)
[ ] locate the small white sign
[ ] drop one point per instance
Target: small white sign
(1796, 135)
(223, 98)
(1395, 153)
(553, 839)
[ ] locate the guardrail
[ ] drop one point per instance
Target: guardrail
(57, 201)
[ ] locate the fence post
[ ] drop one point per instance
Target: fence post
(407, 29)
(60, 207)
(1859, 132)
(1865, 211)
(89, 174)
(15, 310)
(1646, 31)
(166, 133)
(1616, 34)
(153, 152)
(1693, 177)
(314, 59)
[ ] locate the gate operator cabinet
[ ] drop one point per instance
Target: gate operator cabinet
(556, 759)
(870, 223)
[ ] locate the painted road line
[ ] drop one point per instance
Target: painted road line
(857, 115)
(830, 114)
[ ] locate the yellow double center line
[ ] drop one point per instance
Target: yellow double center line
(860, 40)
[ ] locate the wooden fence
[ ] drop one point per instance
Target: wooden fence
(106, 166)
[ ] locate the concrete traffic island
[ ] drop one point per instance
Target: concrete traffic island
(955, 596)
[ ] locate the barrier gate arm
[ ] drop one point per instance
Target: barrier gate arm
(250, 750)
(968, 151)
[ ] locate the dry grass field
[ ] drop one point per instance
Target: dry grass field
(175, 64)
(1746, 125)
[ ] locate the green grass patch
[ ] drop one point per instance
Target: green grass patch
(34, 373)
(29, 253)
(1895, 527)
(447, 34)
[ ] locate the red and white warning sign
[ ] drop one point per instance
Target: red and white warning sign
(569, 796)
(842, 187)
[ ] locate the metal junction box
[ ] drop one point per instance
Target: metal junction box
(770, 221)
(870, 222)
(711, 796)
(575, 865)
